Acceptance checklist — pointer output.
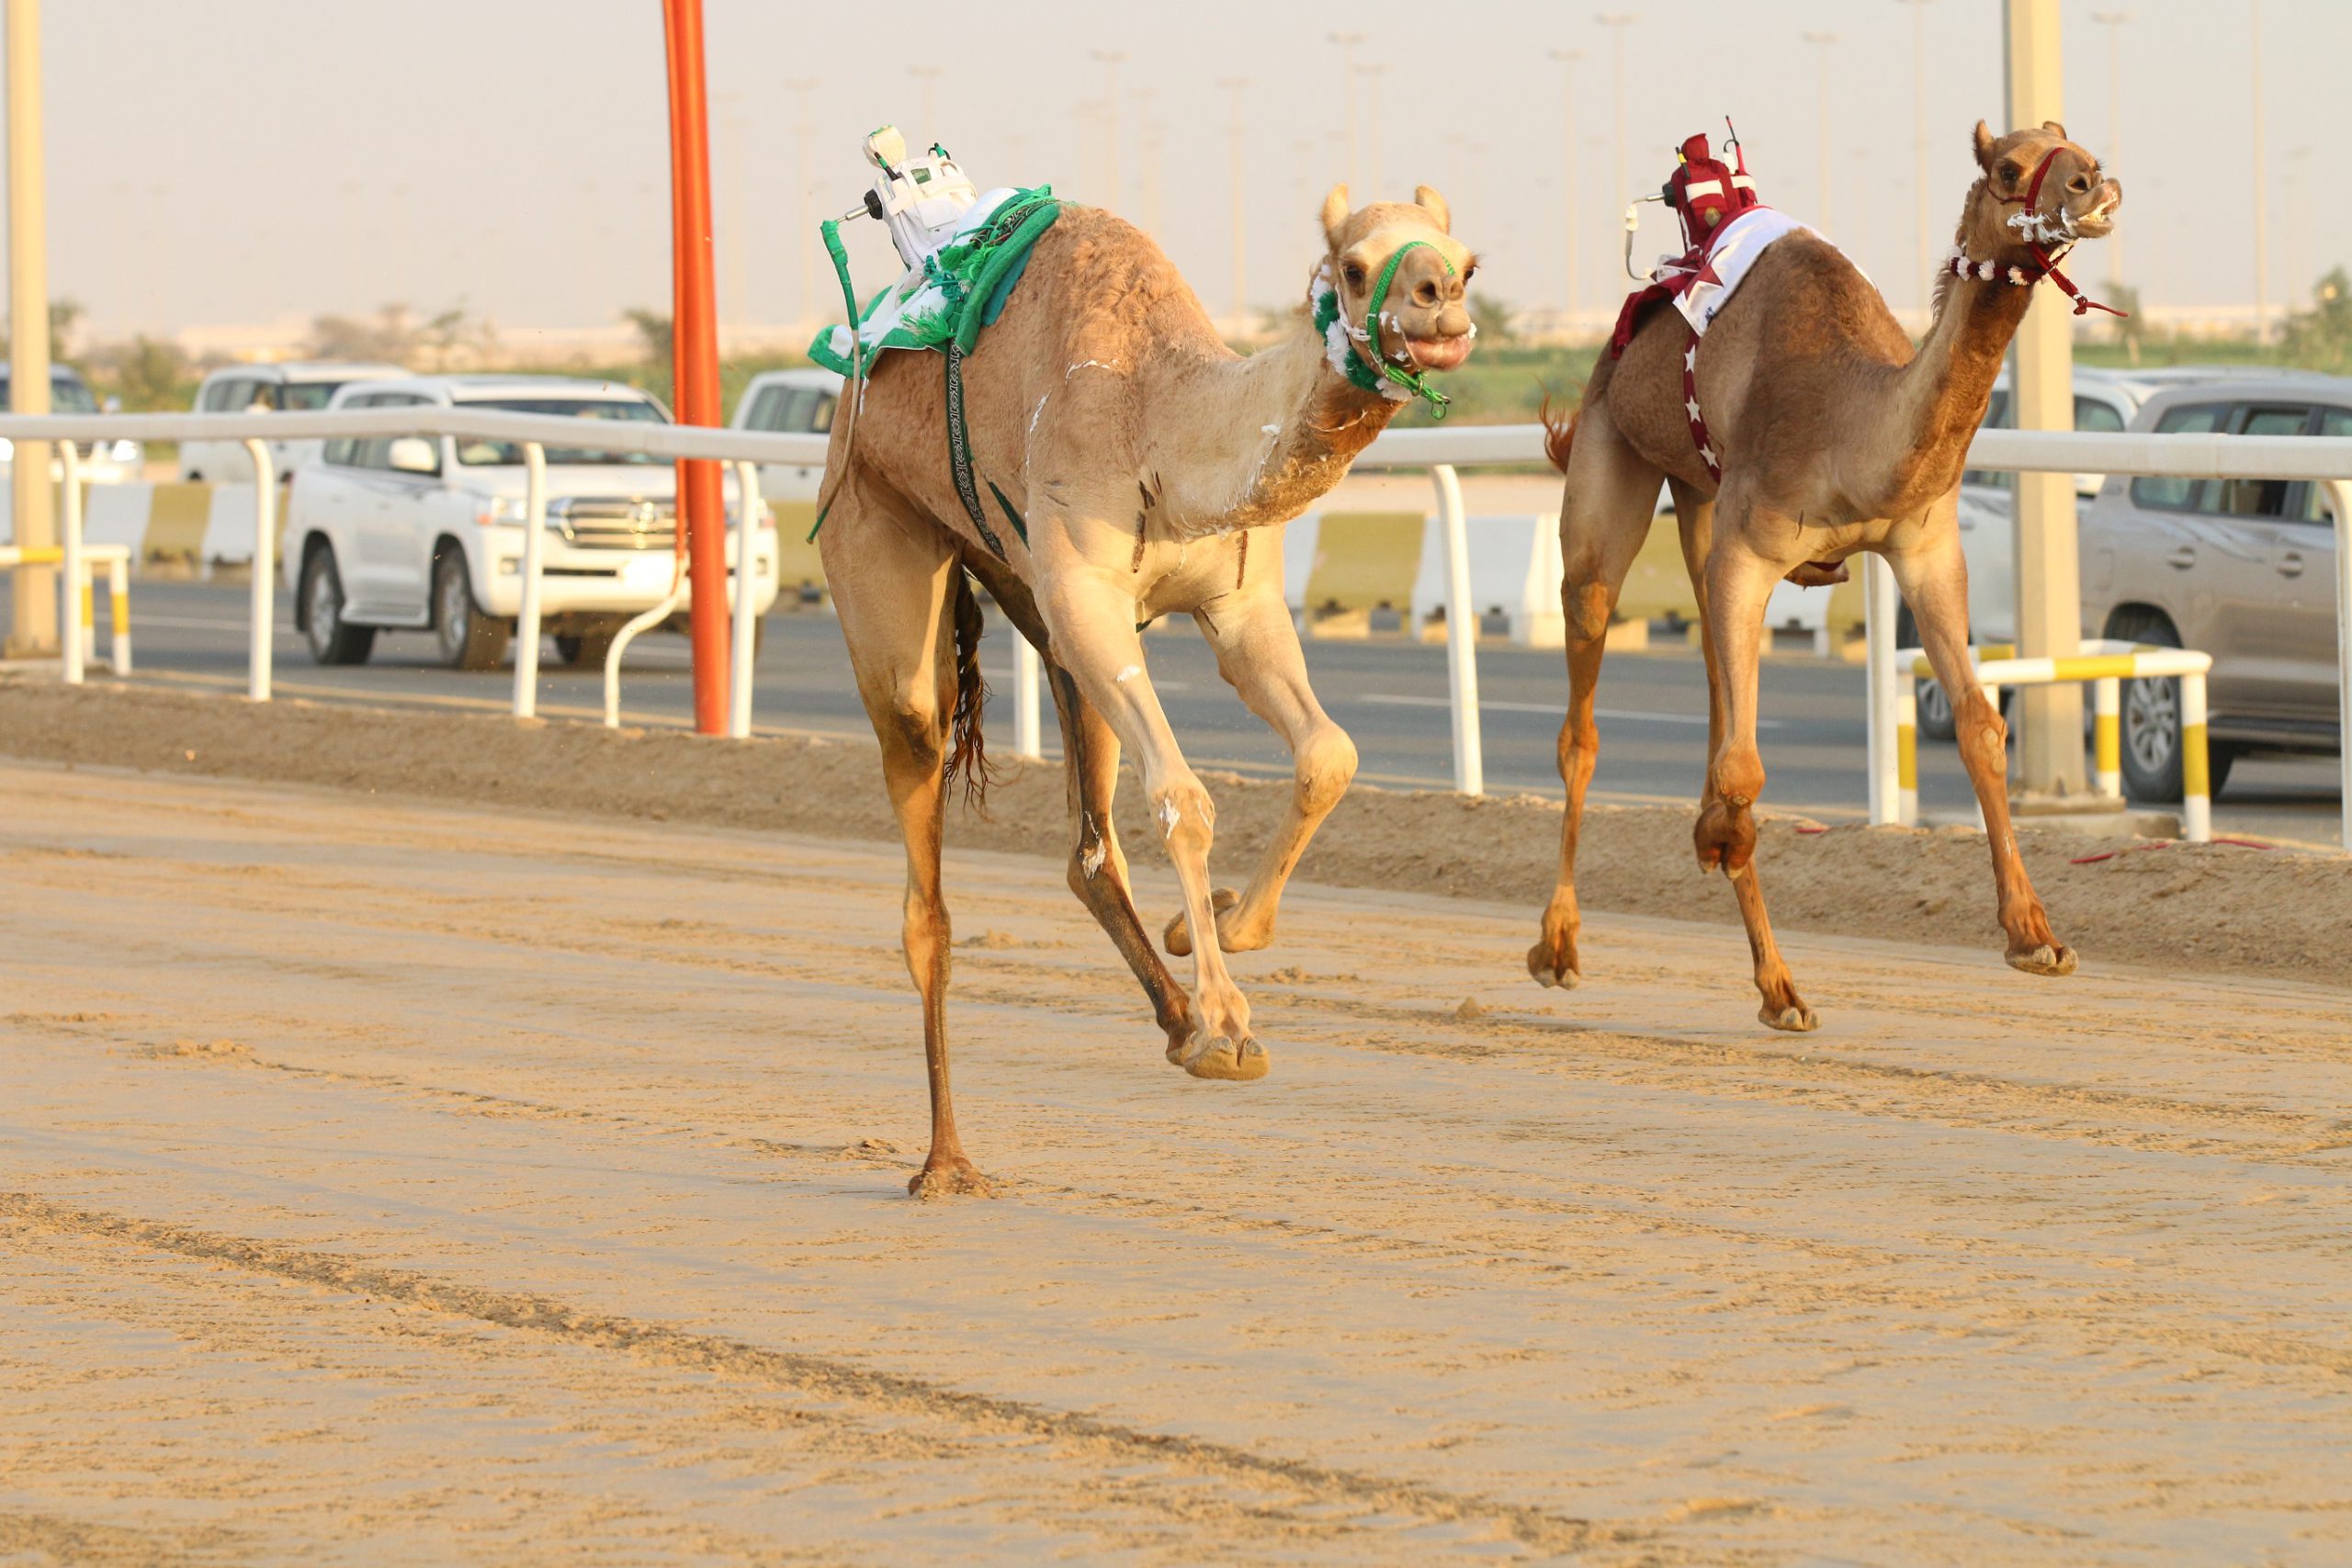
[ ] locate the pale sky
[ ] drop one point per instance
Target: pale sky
(243, 161)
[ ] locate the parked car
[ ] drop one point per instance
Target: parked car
(294, 388)
(2105, 401)
(416, 532)
(2243, 569)
(794, 401)
(103, 462)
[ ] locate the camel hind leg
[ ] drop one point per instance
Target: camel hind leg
(1606, 506)
(1782, 1008)
(892, 580)
(1098, 867)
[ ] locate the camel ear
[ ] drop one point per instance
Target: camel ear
(1335, 215)
(2053, 125)
(1983, 147)
(1426, 198)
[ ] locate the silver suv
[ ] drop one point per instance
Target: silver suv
(2243, 569)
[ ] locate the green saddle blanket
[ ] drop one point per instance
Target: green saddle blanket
(959, 289)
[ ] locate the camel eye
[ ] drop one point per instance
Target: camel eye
(1355, 273)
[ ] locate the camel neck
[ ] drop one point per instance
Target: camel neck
(1942, 393)
(1276, 430)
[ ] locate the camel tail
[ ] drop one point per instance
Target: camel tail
(1559, 434)
(968, 753)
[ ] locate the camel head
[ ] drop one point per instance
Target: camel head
(1424, 318)
(2038, 187)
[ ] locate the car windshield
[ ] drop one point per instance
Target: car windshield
(66, 395)
(475, 452)
(302, 397)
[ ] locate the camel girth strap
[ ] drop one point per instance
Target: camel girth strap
(959, 462)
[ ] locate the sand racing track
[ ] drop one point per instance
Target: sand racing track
(393, 1180)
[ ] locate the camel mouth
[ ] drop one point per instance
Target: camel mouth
(1438, 352)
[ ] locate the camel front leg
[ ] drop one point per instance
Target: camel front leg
(1093, 633)
(1934, 580)
(1738, 583)
(1258, 654)
(1782, 1007)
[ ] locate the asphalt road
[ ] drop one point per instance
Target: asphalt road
(1389, 693)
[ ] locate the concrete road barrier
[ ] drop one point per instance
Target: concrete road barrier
(1514, 574)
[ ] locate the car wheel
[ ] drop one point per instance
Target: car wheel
(1934, 708)
(470, 639)
(332, 639)
(2151, 720)
(585, 649)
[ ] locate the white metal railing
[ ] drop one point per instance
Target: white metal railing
(2322, 459)
(534, 433)
(2104, 665)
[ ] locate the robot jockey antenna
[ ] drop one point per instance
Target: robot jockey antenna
(920, 199)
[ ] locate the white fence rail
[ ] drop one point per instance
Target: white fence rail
(2322, 459)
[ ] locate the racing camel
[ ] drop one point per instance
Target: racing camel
(1125, 459)
(1831, 436)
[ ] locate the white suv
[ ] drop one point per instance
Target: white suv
(415, 532)
(299, 388)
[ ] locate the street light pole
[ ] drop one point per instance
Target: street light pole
(929, 76)
(1233, 86)
(1617, 22)
(2049, 591)
(2261, 185)
(1371, 75)
(804, 234)
(1924, 272)
(1567, 59)
(1821, 83)
(1110, 59)
(2112, 154)
(36, 587)
(1347, 42)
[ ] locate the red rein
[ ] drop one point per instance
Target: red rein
(2032, 202)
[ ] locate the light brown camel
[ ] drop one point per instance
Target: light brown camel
(1136, 455)
(1834, 437)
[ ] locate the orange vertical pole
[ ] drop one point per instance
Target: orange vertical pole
(694, 344)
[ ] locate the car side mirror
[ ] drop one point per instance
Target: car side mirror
(413, 455)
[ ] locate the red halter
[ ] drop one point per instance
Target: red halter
(2032, 202)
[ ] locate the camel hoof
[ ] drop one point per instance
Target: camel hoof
(1178, 938)
(2050, 958)
(952, 1177)
(1549, 972)
(1798, 1019)
(1215, 1056)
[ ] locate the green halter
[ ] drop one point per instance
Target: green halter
(1327, 311)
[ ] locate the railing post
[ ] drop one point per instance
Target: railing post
(1907, 748)
(2106, 736)
(119, 611)
(1028, 670)
(264, 589)
(1878, 647)
(73, 640)
(535, 544)
(1461, 634)
(745, 626)
(2196, 764)
(2340, 491)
